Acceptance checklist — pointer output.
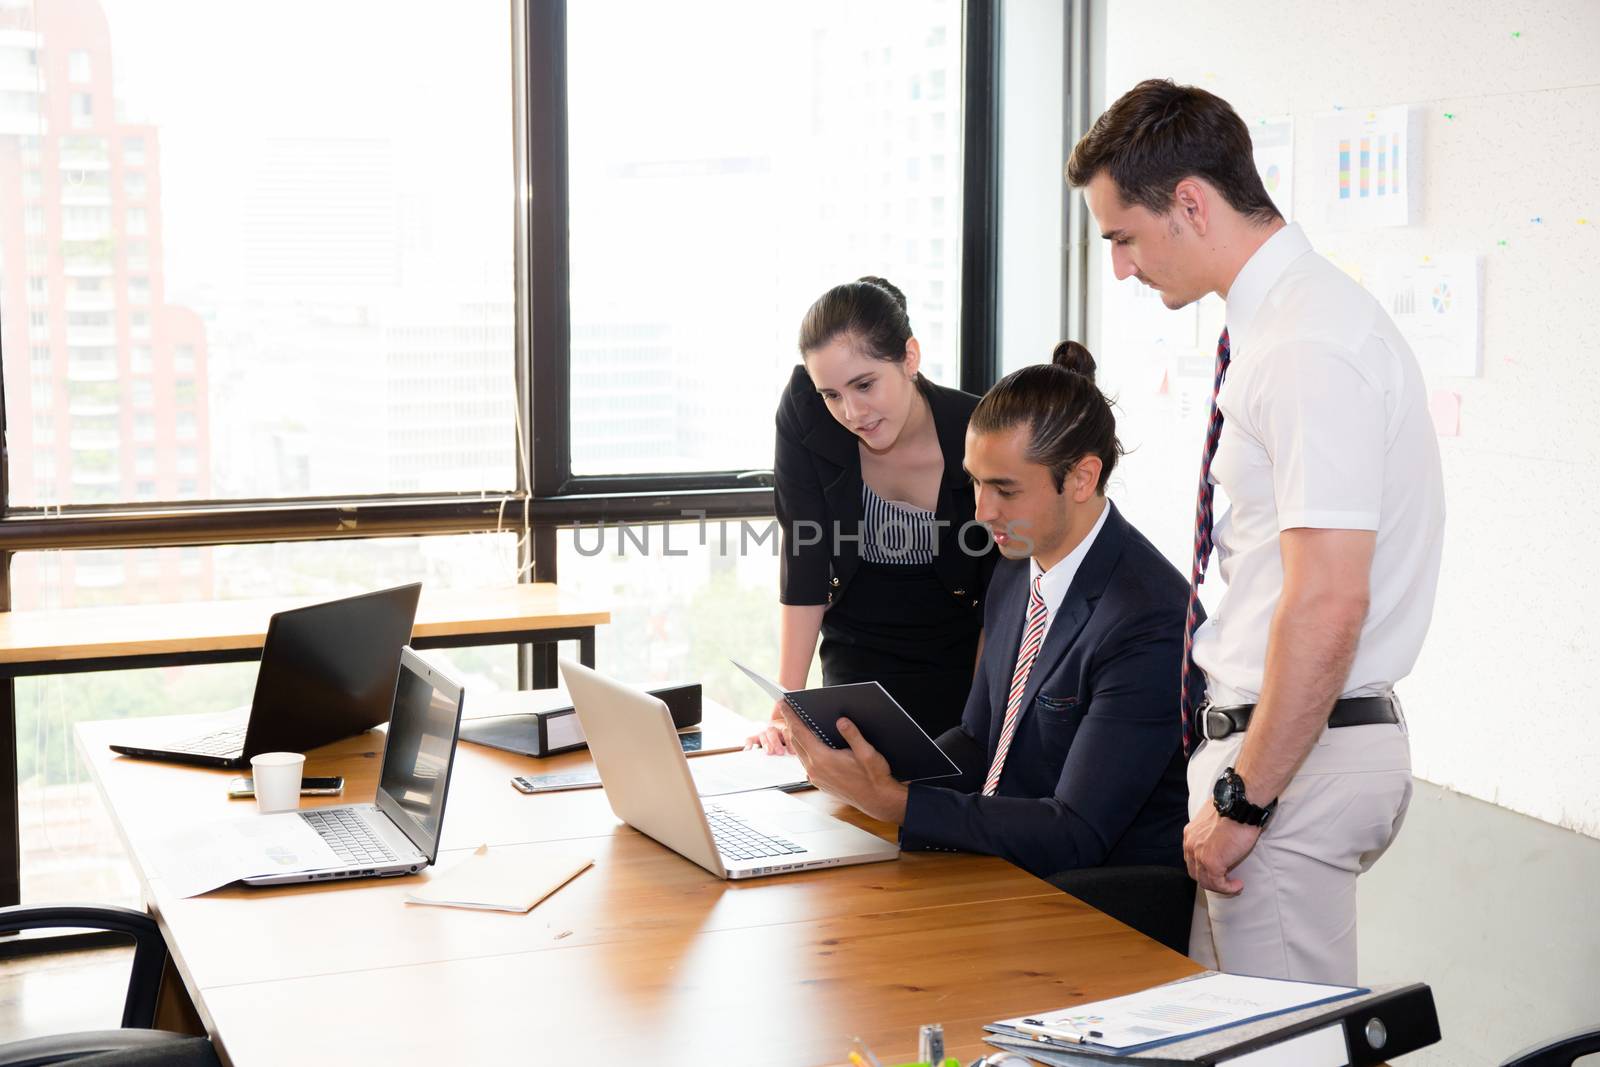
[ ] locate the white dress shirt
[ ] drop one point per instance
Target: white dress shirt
(1325, 426)
(1058, 579)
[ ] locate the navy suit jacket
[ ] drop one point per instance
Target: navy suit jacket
(1095, 772)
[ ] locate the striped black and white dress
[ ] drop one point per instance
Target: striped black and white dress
(893, 532)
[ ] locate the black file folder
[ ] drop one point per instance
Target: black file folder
(542, 722)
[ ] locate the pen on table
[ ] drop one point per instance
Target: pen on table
(1086, 1033)
(1039, 1029)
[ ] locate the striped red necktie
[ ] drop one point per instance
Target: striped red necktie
(1032, 640)
(1194, 686)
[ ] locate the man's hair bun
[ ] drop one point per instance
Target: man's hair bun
(1070, 355)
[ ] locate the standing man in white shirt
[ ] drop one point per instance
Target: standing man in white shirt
(1320, 438)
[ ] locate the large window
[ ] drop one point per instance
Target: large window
(278, 265)
(274, 279)
(686, 598)
(729, 162)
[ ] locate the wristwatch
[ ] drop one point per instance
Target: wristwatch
(1228, 796)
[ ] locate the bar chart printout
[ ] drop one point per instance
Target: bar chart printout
(1358, 181)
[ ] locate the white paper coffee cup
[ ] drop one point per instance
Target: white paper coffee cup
(277, 777)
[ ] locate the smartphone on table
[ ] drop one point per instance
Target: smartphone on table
(241, 788)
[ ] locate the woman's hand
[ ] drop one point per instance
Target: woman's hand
(773, 739)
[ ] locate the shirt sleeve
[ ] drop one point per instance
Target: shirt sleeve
(804, 562)
(1323, 425)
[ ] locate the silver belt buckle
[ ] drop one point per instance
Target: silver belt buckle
(1214, 721)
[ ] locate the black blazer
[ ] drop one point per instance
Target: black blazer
(817, 489)
(1095, 772)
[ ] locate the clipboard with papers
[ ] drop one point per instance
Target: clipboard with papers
(912, 754)
(1161, 1016)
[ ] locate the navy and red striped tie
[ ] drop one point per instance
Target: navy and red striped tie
(1194, 686)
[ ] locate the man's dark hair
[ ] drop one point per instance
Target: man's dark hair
(1067, 415)
(1158, 134)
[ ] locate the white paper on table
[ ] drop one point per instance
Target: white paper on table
(198, 859)
(1191, 1006)
(741, 772)
(500, 880)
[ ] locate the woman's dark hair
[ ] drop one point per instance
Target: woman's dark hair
(869, 309)
(1158, 134)
(1067, 415)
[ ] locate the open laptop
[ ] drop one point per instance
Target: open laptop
(327, 672)
(647, 782)
(399, 832)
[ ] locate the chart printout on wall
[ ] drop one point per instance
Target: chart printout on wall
(1367, 167)
(1272, 141)
(1435, 303)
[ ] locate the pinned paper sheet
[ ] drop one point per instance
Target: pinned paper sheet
(1272, 141)
(1435, 304)
(502, 880)
(1445, 407)
(1366, 167)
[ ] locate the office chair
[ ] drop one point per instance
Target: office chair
(1564, 1051)
(1156, 901)
(134, 1046)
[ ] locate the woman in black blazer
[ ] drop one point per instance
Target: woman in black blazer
(881, 555)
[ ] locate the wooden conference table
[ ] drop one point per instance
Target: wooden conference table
(645, 958)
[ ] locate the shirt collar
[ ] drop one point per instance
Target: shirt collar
(1058, 579)
(1257, 277)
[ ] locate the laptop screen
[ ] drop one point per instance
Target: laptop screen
(419, 752)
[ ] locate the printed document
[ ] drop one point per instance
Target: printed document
(1176, 1010)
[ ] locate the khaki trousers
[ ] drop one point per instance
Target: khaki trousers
(1296, 916)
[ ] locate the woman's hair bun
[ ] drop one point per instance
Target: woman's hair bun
(887, 286)
(1072, 356)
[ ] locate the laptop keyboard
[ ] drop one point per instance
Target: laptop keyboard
(736, 840)
(229, 742)
(349, 835)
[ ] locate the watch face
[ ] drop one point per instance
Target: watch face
(1222, 792)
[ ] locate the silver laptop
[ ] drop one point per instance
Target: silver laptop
(399, 834)
(647, 782)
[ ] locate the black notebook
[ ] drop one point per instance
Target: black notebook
(884, 724)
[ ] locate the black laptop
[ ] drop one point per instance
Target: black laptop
(327, 672)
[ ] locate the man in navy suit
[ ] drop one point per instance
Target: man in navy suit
(1069, 748)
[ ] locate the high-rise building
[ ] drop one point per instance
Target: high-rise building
(105, 382)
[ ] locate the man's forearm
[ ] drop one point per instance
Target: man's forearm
(1309, 651)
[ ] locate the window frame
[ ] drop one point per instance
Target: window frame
(557, 491)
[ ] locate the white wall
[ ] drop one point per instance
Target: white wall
(1505, 702)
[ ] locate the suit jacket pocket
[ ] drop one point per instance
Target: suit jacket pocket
(1056, 709)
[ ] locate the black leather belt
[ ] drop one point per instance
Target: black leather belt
(1218, 722)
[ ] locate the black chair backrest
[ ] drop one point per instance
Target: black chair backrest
(1562, 1052)
(149, 947)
